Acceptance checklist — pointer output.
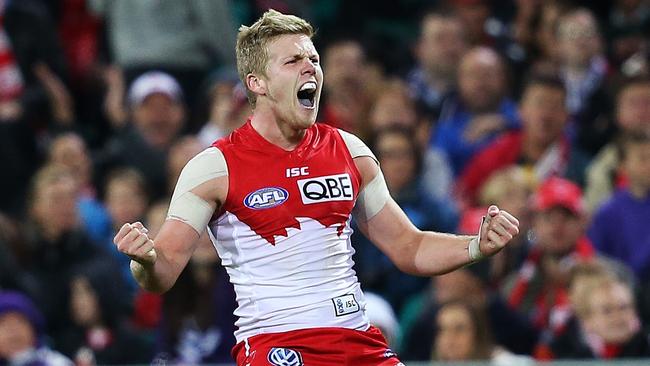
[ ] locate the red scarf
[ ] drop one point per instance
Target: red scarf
(547, 316)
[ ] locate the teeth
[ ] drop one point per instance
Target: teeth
(308, 86)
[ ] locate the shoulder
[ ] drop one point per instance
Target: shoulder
(355, 145)
(210, 159)
(616, 203)
(206, 165)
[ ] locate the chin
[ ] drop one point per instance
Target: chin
(306, 120)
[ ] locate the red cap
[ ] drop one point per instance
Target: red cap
(558, 192)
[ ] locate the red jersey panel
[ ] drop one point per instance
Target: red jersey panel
(270, 187)
(283, 234)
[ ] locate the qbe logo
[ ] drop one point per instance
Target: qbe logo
(284, 357)
(266, 197)
(327, 188)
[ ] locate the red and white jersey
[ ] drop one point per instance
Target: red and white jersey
(283, 233)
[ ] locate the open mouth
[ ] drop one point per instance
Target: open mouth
(307, 94)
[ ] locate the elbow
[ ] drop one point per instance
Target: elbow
(407, 265)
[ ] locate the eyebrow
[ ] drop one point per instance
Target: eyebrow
(301, 55)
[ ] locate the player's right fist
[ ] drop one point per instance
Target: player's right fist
(132, 240)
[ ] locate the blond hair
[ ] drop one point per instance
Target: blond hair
(499, 185)
(585, 279)
(252, 42)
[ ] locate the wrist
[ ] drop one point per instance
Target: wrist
(474, 246)
(474, 250)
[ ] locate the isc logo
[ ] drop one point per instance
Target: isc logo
(328, 188)
(297, 172)
(266, 197)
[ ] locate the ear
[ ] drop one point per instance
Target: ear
(256, 84)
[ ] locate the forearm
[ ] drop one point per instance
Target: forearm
(152, 277)
(439, 253)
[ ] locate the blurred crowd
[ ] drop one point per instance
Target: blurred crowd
(540, 107)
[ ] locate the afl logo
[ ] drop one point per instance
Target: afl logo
(284, 357)
(266, 197)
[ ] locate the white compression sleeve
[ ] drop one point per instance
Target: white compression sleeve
(375, 194)
(187, 207)
(356, 146)
(372, 198)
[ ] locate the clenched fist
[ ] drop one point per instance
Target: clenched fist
(132, 240)
(498, 228)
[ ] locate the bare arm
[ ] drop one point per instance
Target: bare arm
(429, 253)
(156, 264)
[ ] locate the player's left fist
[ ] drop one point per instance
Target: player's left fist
(498, 228)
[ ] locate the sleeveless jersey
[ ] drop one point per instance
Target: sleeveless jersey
(283, 233)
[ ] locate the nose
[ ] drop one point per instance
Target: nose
(309, 67)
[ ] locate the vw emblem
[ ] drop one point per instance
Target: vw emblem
(284, 357)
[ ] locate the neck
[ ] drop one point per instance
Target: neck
(533, 151)
(275, 130)
(438, 80)
(639, 191)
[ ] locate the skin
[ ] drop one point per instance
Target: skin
(70, 151)
(159, 118)
(578, 40)
(544, 115)
(455, 338)
(395, 155)
(282, 120)
(637, 167)
(481, 80)
(557, 230)
(633, 108)
(84, 305)
(125, 201)
(440, 48)
(16, 334)
(55, 207)
(612, 316)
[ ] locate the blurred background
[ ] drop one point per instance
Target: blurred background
(540, 107)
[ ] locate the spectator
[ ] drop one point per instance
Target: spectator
(346, 91)
(393, 106)
(70, 151)
(126, 200)
(632, 116)
(463, 334)
(27, 40)
(97, 330)
(438, 52)
(400, 159)
(607, 325)
(540, 288)
(185, 40)
(22, 334)
(158, 115)
(11, 242)
(198, 322)
(540, 147)
(584, 69)
(481, 111)
(227, 108)
(619, 228)
(55, 241)
(511, 330)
